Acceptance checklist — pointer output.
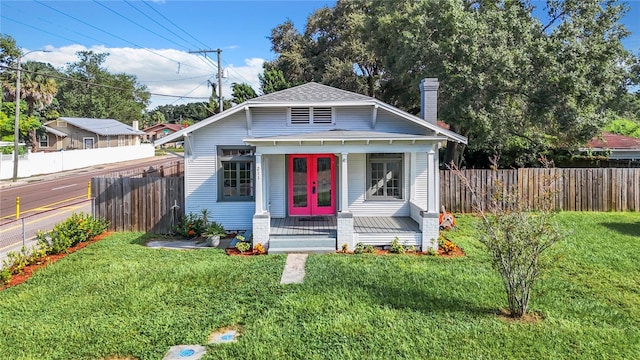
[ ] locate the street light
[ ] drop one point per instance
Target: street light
(16, 130)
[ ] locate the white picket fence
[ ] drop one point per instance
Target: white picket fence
(52, 162)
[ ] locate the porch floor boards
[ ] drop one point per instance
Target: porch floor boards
(327, 225)
(382, 224)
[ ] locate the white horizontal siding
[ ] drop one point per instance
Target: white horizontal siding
(357, 164)
(273, 121)
(201, 187)
(354, 118)
(277, 186)
(388, 122)
(384, 239)
(422, 180)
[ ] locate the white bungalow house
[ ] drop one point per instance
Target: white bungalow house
(313, 167)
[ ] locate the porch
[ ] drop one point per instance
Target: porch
(319, 234)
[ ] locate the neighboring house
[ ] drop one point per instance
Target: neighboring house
(68, 133)
(614, 146)
(51, 140)
(313, 167)
(158, 131)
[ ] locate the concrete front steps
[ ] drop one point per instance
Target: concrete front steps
(316, 244)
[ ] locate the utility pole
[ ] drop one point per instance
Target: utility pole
(219, 72)
(16, 125)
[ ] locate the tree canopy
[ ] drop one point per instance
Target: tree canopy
(518, 81)
(242, 92)
(120, 97)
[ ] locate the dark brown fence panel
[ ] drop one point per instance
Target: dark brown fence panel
(151, 204)
(585, 189)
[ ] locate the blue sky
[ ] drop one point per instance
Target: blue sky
(143, 42)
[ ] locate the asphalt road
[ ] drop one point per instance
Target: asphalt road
(49, 199)
(43, 193)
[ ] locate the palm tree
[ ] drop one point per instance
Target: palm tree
(36, 88)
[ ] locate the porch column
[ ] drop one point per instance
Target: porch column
(430, 218)
(345, 217)
(259, 185)
(261, 218)
(344, 183)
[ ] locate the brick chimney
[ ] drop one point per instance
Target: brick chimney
(429, 99)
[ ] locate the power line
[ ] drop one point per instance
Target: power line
(180, 79)
(192, 90)
(237, 73)
(110, 34)
(181, 29)
(218, 51)
(51, 23)
(35, 28)
(138, 25)
(106, 86)
(172, 23)
(145, 28)
(159, 24)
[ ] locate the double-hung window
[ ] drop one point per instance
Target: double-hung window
(44, 141)
(384, 176)
(237, 173)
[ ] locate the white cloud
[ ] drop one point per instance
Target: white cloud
(164, 71)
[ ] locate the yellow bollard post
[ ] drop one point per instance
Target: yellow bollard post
(17, 207)
(89, 190)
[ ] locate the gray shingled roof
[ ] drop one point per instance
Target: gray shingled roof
(310, 92)
(103, 127)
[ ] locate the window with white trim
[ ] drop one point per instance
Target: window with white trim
(44, 141)
(122, 141)
(311, 115)
(384, 176)
(236, 181)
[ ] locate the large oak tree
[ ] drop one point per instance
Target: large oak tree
(518, 78)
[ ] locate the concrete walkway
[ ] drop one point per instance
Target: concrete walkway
(293, 272)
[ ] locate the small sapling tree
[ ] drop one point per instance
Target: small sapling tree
(515, 232)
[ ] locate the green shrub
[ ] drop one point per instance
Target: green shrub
(79, 227)
(16, 261)
(5, 276)
(369, 249)
(359, 249)
(243, 246)
(191, 225)
(396, 247)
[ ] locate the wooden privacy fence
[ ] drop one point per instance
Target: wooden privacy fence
(139, 204)
(147, 203)
(590, 189)
(174, 168)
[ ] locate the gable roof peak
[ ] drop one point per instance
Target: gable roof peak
(311, 92)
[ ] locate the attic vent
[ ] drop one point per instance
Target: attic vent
(305, 116)
(61, 123)
(322, 116)
(300, 116)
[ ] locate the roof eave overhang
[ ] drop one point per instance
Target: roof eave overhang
(609, 149)
(181, 133)
(275, 141)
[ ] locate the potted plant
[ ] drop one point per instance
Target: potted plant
(212, 233)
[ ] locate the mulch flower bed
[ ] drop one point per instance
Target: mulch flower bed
(236, 252)
(458, 252)
(28, 271)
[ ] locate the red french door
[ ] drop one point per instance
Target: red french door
(312, 185)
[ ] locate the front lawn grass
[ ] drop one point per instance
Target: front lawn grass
(117, 298)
